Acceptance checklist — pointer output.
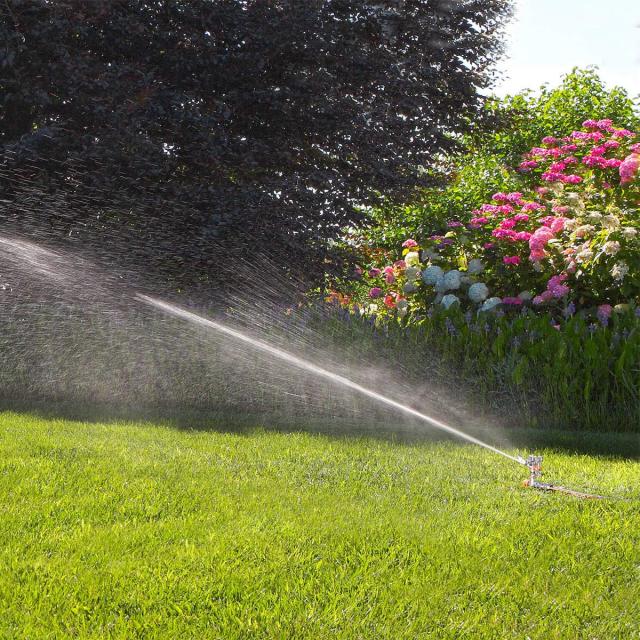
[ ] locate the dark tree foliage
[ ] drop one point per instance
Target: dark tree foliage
(183, 131)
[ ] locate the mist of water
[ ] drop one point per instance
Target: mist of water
(316, 370)
(76, 333)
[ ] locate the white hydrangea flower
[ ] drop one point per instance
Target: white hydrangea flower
(372, 308)
(610, 222)
(490, 304)
(611, 248)
(620, 270)
(452, 280)
(449, 300)
(475, 266)
(629, 233)
(573, 197)
(432, 274)
(412, 273)
(594, 216)
(409, 287)
(412, 258)
(622, 308)
(571, 224)
(584, 230)
(478, 292)
(584, 255)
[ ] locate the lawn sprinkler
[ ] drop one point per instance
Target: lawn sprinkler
(534, 464)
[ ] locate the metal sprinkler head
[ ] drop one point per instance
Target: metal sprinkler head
(534, 464)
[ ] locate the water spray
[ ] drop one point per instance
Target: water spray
(48, 264)
(533, 463)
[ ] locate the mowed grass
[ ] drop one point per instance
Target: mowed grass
(143, 531)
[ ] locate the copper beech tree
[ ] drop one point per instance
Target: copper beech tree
(180, 132)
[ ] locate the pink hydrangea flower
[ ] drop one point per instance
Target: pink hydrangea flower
(594, 161)
(389, 275)
(453, 224)
(623, 133)
(537, 254)
(515, 260)
(375, 292)
(504, 234)
(400, 264)
(580, 135)
(409, 243)
(499, 197)
(374, 272)
(628, 168)
(537, 242)
(572, 179)
(512, 301)
(521, 217)
(540, 237)
(557, 225)
(508, 223)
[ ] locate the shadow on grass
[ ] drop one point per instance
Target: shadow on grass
(235, 420)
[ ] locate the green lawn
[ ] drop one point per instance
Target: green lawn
(143, 531)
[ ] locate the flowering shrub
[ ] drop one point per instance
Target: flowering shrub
(573, 373)
(568, 242)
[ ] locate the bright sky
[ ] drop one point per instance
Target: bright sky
(547, 38)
